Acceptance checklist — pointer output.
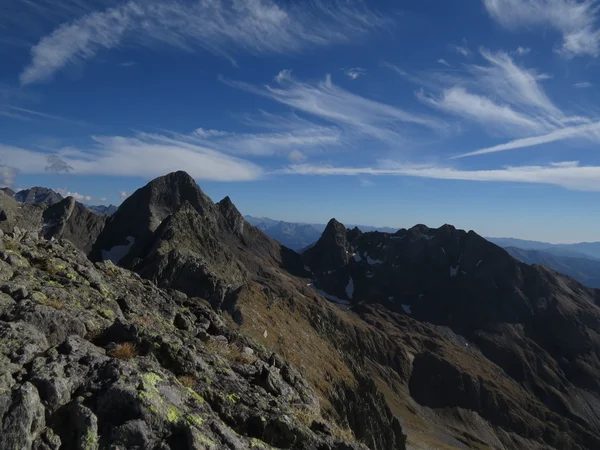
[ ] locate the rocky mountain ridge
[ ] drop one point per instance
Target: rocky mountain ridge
(92, 356)
(436, 334)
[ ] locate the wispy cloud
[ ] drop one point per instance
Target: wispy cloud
(25, 114)
(462, 49)
(296, 156)
(458, 101)
(123, 195)
(522, 51)
(7, 175)
(144, 155)
(443, 62)
(128, 64)
(568, 174)
(76, 195)
(574, 20)
(354, 113)
(577, 131)
(583, 85)
(223, 28)
(355, 72)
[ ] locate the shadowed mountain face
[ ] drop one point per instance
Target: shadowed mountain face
(584, 270)
(538, 328)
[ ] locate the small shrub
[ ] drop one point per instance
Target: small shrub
(188, 381)
(12, 244)
(232, 353)
(144, 321)
(124, 351)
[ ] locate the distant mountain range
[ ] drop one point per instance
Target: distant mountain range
(297, 235)
(578, 250)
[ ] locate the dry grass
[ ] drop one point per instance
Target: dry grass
(12, 244)
(54, 303)
(188, 381)
(305, 416)
(144, 321)
(343, 433)
(124, 351)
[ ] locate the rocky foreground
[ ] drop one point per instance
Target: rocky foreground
(93, 356)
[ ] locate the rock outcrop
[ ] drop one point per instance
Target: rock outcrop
(92, 357)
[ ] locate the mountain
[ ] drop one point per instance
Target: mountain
(38, 195)
(534, 333)
(8, 191)
(584, 270)
(298, 236)
(66, 219)
(578, 250)
(93, 357)
(103, 210)
(421, 338)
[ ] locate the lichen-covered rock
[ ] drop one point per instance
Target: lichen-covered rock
(93, 357)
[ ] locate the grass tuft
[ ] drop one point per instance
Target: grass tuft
(124, 351)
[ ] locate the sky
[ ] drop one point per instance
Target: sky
(479, 113)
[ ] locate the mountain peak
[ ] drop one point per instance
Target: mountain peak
(331, 250)
(233, 217)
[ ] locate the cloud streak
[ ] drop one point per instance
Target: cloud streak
(143, 155)
(577, 131)
(222, 28)
(575, 20)
(568, 174)
(334, 104)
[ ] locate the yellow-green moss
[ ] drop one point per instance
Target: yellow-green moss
(194, 419)
(233, 398)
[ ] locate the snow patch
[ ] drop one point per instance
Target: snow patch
(372, 261)
(307, 269)
(391, 299)
(407, 309)
(453, 271)
(350, 288)
(397, 237)
(427, 237)
(118, 252)
(333, 298)
(479, 262)
(369, 275)
(356, 257)
(444, 250)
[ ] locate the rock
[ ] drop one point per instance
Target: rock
(182, 322)
(16, 291)
(3, 217)
(23, 421)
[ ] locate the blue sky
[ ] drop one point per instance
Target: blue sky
(479, 113)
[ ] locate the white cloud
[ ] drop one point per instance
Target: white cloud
(481, 109)
(123, 195)
(574, 20)
(443, 62)
(223, 28)
(103, 199)
(354, 73)
(522, 51)
(576, 131)
(461, 49)
(354, 113)
(76, 195)
(7, 175)
(128, 64)
(25, 114)
(514, 84)
(144, 155)
(567, 174)
(583, 84)
(296, 156)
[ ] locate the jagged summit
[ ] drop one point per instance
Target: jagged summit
(8, 191)
(38, 195)
(331, 250)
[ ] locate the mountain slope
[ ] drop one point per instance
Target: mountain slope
(539, 329)
(92, 357)
(103, 209)
(584, 270)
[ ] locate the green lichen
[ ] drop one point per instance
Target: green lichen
(173, 414)
(107, 313)
(90, 441)
(71, 276)
(233, 398)
(195, 395)
(255, 443)
(194, 419)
